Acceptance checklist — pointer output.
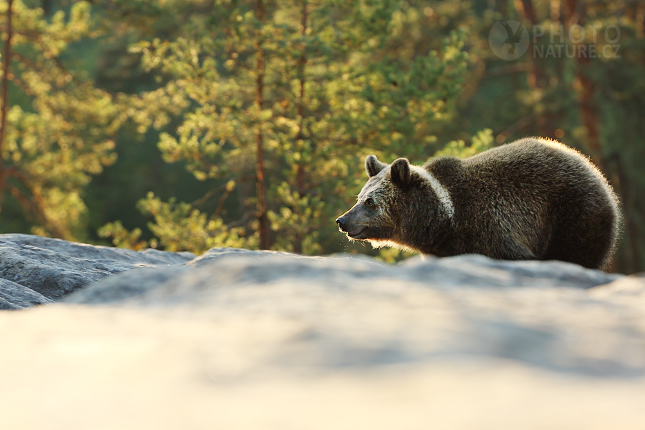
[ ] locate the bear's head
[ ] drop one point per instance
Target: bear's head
(397, 205)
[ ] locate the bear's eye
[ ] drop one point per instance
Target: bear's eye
(369, 202)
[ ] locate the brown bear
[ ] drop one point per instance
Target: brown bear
(530, 199)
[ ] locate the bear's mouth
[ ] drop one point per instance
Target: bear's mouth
(354, 234)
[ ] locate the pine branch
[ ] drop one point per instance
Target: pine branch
(37, 205)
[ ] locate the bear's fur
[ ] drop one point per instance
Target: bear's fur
(530, 199)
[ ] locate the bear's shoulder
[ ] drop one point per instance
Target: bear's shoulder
(447, 168)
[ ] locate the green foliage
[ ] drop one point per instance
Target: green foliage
(123, 238)
(481, 142)
(59, 128)
(187, 92)
(178, 227)
(331, 93)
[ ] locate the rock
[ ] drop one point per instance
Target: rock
(217, 253)
(54, 267)
(15, 296)
(239, 339)
(127, 285)
(93, 252)
(513, 310)
(232, 269)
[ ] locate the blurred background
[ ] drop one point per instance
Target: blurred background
(186, 124)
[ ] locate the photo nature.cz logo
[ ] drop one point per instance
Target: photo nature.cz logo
(509, 40)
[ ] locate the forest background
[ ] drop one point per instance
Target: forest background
(188, 124)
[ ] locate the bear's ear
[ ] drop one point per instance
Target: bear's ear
(373, 166)
(400, 172)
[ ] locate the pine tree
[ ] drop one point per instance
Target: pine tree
(292, 96)
(56, 128)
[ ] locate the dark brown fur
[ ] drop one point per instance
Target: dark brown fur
(530, 199)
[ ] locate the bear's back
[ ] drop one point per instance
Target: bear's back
(546, 171)
(532, 194)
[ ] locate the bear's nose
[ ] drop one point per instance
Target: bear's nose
(341, 222)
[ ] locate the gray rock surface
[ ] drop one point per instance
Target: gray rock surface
(233, 268)
(239, 339)
(322, 291)
(15, 296)
(54, 267)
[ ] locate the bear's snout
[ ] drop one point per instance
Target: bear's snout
(342, 222)
(353, 223)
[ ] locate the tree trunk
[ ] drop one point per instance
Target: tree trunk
(5, 89)
(301, 174)
(555, 10)
(263, 220)
(536, 75)
(527, 9)
(589, 113)
(503, 8)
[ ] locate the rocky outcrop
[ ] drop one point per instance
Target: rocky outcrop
(54, 268)
(520, 322)
(230, 269)
(37, 270)
(246, 339)
(15, 296)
